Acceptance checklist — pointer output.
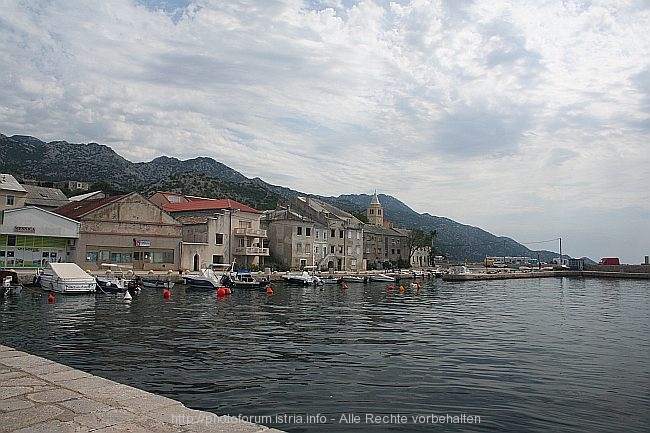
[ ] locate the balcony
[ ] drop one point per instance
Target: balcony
(251, 251)
(253, 233)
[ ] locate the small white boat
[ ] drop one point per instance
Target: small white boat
(117, 279)
(458, 270)
(209, 278)
(66, 278)
(9, 283)
(376, 278)
(303, 278)
(354, 279)
(331, 280)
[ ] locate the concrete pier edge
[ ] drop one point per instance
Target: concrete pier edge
(40, 395)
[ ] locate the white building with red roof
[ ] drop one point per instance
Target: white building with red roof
(215, 230)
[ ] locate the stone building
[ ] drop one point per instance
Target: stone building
(383, 244)
(45, 198)
(124, 229)
(12, 194)
(295, 241)
(216, 230)
(343, 233)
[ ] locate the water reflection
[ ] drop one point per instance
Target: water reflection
(547, 354)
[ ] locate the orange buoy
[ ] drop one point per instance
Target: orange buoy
(50, 299)
(167, 294)
(269, 290)
(401, 288)
(221, 291)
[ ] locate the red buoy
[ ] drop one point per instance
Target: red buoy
(167, 294)
(269, 290)
(345, 286)
(228, 291)
(50, 299)
(221, 291)
(390, 287)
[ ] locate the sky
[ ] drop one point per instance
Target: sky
(528, 119)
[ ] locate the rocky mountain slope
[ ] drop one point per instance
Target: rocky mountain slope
(30, 158)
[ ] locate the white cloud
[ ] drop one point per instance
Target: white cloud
(521, 118)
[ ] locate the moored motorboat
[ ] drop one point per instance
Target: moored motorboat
(9, 283)
(354, 279)
(331, 280)
(381, 278)
(243, 279)
(66, 278)
(117, 279)
(303, 278)
(204, 279)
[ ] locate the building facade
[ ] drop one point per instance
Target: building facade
(12, 194)
(218, 230)
(31, 237)
(343, 234)
(124, 229)
(294, 240)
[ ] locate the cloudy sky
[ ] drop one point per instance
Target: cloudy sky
(529, 119)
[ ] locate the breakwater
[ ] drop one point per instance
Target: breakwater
(477, 276)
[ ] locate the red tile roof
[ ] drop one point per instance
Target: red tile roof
(199, 203)
(77, 209)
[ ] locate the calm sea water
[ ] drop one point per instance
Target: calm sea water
(550, 354)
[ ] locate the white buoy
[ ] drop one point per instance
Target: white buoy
(127, 296)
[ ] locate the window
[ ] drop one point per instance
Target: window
(378, 211)
(299, 248)
(303, 263)
(11, 240)
(349, 251)
(218, 239)
(341, 234)
(358, 235)
(307, 248)
(91, 256)
(392, 251)
(372, 211)
(307, 231)
(349, 234)
(11, 200)
(316, 250)
(340, 249)
(332, 249)
(242, 242)
(165, 256)
(299, 231)
(333, 233)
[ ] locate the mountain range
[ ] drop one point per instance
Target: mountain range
(28, 158)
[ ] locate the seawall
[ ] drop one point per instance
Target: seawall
(39, 395)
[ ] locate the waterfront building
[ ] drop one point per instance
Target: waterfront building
(296, 241)
(30, 237)
(421, 258)
(125, 229)
(382, 243)
(12, 194)
(216, 230)
(344, 237)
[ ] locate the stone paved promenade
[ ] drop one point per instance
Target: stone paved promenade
(39, 395)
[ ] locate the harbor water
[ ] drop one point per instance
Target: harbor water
(549, 354)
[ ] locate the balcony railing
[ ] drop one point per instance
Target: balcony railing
(251, 251)
(256, 233)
